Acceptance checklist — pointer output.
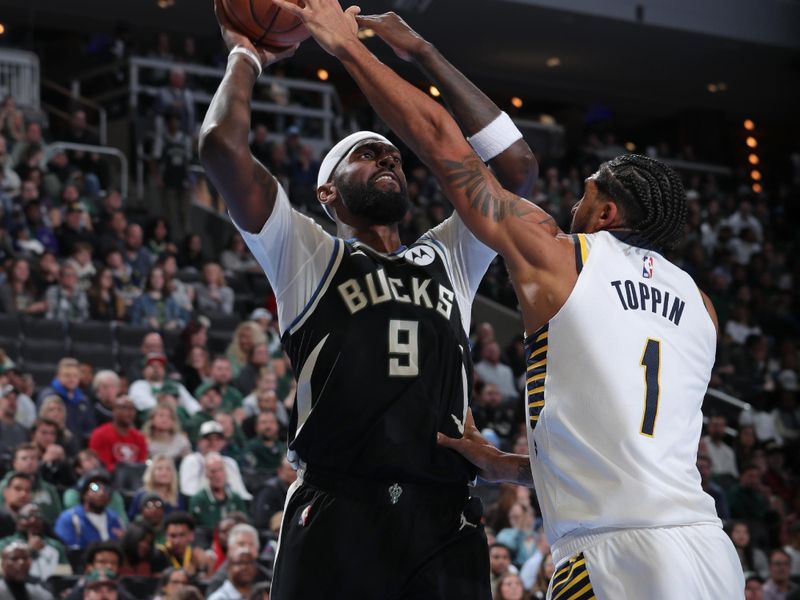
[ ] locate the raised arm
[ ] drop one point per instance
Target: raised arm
(515, 167)
(246, 185)
(518, 229)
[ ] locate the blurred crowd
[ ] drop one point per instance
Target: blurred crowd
(156, 467)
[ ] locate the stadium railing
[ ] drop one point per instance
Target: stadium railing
(19, 77)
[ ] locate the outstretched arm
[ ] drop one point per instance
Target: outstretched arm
(493, 465)
(248, 188)
(522, 232)
(515, 167)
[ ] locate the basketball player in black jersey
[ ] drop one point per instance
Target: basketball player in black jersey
(377, 337)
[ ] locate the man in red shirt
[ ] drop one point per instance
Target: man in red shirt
(118, 441)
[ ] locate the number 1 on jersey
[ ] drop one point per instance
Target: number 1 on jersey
(651, 361)
(404, 345)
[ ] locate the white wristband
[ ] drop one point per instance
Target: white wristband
(495, 137)
(252, 56)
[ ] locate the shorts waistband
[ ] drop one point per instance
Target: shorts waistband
(575, 543)
(389, 493)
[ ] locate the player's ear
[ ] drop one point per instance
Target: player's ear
(327, 193)
(609, 215)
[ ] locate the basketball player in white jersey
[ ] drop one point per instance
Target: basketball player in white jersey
(620, 353)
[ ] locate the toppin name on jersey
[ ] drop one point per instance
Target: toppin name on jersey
(648, 297)
(376, 288)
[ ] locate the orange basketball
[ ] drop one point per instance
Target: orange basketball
(264, 23)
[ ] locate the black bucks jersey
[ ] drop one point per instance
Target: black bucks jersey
(377, 343)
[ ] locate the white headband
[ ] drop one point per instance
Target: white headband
(339, 151)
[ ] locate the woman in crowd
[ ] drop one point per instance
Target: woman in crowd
(172, 580)
(105, 303)
(745, 445)
(521, 536)
(158, 239)
(191, 253)
(19, 294)
(163, 433)
(194, 334)
(140, 556)
(510, 587)
(246, 336)
(197, 368)
(53, 408)
(155, 307)
(160, 478)
(753, 559)
(12, 121)
(211, 294)
(543, 577)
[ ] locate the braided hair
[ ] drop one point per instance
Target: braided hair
(651, 195)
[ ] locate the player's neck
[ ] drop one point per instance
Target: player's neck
(383, 238)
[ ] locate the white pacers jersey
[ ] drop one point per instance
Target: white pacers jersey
(615, 385)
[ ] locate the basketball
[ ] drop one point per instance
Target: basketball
(265, 23)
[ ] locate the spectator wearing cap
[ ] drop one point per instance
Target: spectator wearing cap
(66, 301)
(92, 520)
(192, 471)
(47, 554)
(26, 460)
(265, 452)
(215, 499)
(144, 392)
(80, 414)
(151, 515)
(119, 441)
(100, 585)
(152, 343)
(11, 432)
(180, 550)
(16, 563)
(263, 318)
(86, 463)
(105, 388)
(16, 494)
(210, 398)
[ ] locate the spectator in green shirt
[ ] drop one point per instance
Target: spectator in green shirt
(213, 502)
(48, 554)
(222, 375)
(210, 399)
(43, 494)
(265, 451)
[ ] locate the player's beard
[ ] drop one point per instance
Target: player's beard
(379, 207)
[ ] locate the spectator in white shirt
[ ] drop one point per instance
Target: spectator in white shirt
(723, 458)
(491, 370)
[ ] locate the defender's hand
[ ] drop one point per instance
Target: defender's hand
(333, 28)
(474, 447)
(233, 38)
(392, 29)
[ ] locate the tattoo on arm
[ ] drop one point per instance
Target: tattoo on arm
(471, 176)
(524, 474)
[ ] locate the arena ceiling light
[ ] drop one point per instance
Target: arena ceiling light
(757, 189)
(165, 3)
(753, 159)
(717, 87)
(322, 74)
(751, 142)
(749, 125)
(2, 29)
(553, 62)
(434, 91)
(516, 102)
(365, 33)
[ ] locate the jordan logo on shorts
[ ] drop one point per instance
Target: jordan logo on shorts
(394, 493)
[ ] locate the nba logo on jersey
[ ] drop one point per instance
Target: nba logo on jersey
(647, 267)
